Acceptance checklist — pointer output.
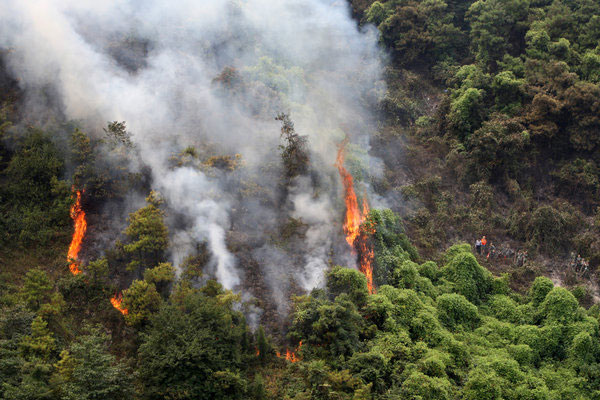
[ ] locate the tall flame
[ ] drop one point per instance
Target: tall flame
(353, 219)
(78, 216)
(116, 301)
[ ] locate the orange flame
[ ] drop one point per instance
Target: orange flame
(354, 218)
(78, 216)
(291, 355)
(116, 301)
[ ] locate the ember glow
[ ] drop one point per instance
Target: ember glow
(356, 238)
(78, 216)
(116, 301)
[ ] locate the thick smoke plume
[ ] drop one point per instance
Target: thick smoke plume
(211, 73)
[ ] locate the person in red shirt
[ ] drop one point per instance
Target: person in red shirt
(483, 244)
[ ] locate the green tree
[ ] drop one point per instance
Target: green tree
(421, 386)
(162, 276)
(560, 306)
(37, 288)
(192, 350)
(35, 203)
(370, 368)
(470, 279)
(540, 287)
(455, 310)
(350, 281)
(332, 327)
(265, 350)
(40, 343)
(97, 270)
(89, 372)
(498, 27)
(147, 234)
(257, 389)
(141, 300)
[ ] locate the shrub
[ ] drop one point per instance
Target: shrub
(455, 310)
(504, 308)
(584, 348)
(539, 289)
(522, 353)
(560, 306)
(483, 385)
(406, 275)
(429, 270)
(371, 368)
(404, 303)
(470, 279)
(548, 229)
(345, 280)
(421, 386)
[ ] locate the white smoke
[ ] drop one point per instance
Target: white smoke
(306, 56)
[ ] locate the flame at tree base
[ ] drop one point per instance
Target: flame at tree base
(78, 216)
(357, 238)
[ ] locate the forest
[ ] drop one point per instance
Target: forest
(247, 199)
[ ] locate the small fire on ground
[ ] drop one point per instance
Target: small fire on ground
(291, 355)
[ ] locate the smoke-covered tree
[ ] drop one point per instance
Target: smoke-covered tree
(117, 134)
(294, 151)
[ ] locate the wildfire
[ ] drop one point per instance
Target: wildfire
(116, 301)
(354, 217)
(291, 355)
(78, 216)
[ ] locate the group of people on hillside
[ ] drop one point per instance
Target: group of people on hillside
(505, 252)
(480, 245)
(579, 264)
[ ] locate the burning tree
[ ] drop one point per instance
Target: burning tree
(356, 236)
(78, 216)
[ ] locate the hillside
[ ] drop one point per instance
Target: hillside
(258, 200)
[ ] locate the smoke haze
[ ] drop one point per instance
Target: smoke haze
(161, 67)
